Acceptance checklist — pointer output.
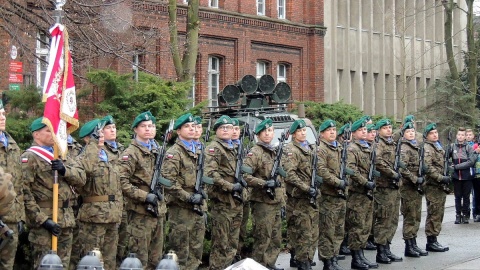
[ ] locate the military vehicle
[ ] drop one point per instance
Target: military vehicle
(253, 100)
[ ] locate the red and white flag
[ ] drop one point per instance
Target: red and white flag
(60, 115)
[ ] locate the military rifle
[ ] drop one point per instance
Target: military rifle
(240, 169)
(6, 234)
(347, 134)
(157, 179)
(421, 166)
(315, 178)
(397, 164)
(446, 161)
(372, 173)
(276, 169)
(201, 179)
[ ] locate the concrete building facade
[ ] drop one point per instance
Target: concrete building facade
(381, 55)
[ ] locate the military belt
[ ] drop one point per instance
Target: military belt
(49, 204)
(103, 198)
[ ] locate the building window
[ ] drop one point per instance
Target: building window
(281, 8)
(261, 7)
(138, 61)
(262, 68)
(42, 49)
(185, 1)
(213, 80)
(282, 73)
(213, 3)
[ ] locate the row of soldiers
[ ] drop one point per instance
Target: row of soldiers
(114, 184)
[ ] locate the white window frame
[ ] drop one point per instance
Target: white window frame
(213, 3)
(261, 7)
(41, 50)
(213, 80)
(262, 67)
(282, 68)
(192, 94)
(282, 9)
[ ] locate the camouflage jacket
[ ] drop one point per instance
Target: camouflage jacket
(434, 155)
(358, 159)
(220, 164)
(180, 167)
(260, 159)
(410, 156)
(136, 171)
(328, 166)
(7, 193)
(74, 149)
(384, 162)
(102, 194)
(114, 154)
(37, 175)
(10, 162)
(297, 162)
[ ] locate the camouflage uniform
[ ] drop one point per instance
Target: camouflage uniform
(226, 213)
(187, 229)
(74, 149)
(267, 234)
(37, 176)
(10, 163)
(301, 215)
(386, 197)
(145, 232)
(7, 193)
(433, 190)
(411, 206)
(332, 208)
(100, 213)
(359, 206)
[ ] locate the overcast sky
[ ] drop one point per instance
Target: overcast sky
(476, 8)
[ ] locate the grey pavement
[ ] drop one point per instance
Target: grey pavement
(463, 240)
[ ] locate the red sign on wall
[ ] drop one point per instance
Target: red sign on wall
(15, 66)
(15, 78)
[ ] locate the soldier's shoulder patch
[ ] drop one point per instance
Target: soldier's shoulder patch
(249, 154)
(211, 150)
(125, 157)
(169, 156)
(24, 159)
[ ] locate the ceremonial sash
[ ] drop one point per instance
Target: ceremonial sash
(44, 154)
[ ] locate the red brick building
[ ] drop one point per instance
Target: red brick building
(283, 38)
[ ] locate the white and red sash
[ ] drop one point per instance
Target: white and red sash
(44, 154)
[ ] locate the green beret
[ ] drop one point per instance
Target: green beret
(235, 122)
(342, 129)
(145, 116)
(223, 120)
(328, 123)
(428, 128)
(371, 127)
(197, 120)
(409, 118)
(108, 120)
(186, 118)
(263, 125)
(366, 118)
(408, 125)
(1, 105)
(358, 124)
(88, 128)
(37, 124)
(298, 124)
(383, 122)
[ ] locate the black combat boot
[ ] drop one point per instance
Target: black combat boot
(417, 249)
(293, 261)
(328, 264)
(458, 219)
(466, 218)
(305, 265)
(381, 255)
(366, 261)
(433, 245)
(344, 247)
(340, 257)
(390, 255)
(371, 244)
(312, 263)
(409, 250)
(357, 262)
(335, 263)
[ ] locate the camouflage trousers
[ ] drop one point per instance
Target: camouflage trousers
(386, 206)
(7, 254)
(331, 226)
(359, 220)
(435, 209)
(243, 227)
(411, 209)
(226, 222)
(187, 231)
(145, 238)
(266, 232)
(122, 239)
(41, 243)
(302, 227)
